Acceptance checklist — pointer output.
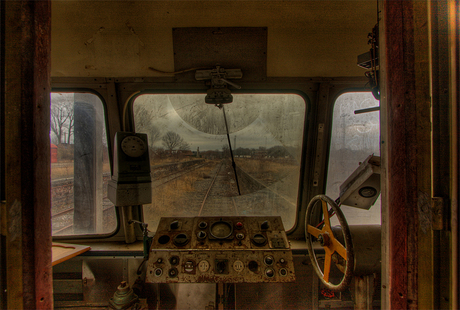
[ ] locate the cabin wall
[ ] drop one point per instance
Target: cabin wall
(128, 37)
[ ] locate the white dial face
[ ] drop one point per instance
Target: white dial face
(133, 146)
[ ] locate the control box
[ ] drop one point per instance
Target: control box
(131, 181)
(220, 250)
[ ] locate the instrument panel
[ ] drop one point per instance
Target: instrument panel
(220, 250)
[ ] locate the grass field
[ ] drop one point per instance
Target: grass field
(65, 169)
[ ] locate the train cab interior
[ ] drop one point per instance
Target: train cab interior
(246, 154)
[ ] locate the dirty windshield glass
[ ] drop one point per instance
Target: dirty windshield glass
(80, 166)
(354, 138)
(191, 158)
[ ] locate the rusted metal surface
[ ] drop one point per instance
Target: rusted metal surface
(454, 47)
(28, 156)
(220, 250)
(402, 154)
(302, 294)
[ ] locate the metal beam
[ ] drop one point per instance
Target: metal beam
(27, 154)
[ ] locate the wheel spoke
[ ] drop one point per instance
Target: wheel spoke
(339, 248)
(313, 231)
(327, 266)
(327, 222)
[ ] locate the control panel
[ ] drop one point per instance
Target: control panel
(220, 249)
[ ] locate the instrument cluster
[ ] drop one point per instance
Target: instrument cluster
(220, 249)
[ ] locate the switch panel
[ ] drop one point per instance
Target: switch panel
(220, 249)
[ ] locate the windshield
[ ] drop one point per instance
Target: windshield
(191, 155)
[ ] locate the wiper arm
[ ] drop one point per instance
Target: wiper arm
(231, 152)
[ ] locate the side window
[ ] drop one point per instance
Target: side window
(354, 137)
(80, 166)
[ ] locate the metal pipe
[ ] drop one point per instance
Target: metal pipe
(128, 225)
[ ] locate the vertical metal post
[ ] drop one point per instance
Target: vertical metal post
(363, 291)
(3, 232)
(441, 147)
(87, 165)
(127, 215)
(27, 154)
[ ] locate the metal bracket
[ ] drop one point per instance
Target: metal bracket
(439, 213)
(219, 93)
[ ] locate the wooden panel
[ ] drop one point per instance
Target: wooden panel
(63, 251)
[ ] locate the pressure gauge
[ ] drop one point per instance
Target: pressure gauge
(221, 230)
(133, 146)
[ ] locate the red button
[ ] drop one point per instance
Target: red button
(239, 225)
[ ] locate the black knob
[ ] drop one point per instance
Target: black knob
(268, 260)
(181, 239)
(201, 235)
(172, 272)
(259, 240)
(265, 225)
(221, 267)
(253, 266)
(269, 272)
(174, 225)
(174, 260)
(158, 272)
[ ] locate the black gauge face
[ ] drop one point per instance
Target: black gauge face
(221, 230)
(367, 192)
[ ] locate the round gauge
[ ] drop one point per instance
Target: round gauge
(221, 230)
(133, 146)
(367, 192)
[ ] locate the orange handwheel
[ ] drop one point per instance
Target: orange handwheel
(335, 251)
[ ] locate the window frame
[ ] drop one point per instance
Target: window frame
(330, 127)
(117, 229)
(128, 110)
(319, 91)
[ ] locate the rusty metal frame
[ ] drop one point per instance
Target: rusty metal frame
(28, 222)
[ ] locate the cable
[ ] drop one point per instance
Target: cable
(177, 72)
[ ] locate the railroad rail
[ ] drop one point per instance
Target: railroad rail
(220, 185)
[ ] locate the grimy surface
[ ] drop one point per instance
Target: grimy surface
(232, 249)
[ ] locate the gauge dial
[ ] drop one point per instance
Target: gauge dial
(221, 230)
(133, 146)
(367, 192)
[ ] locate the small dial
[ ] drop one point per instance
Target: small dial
(221, 230)
(133, 146)
(203, 266)
(367, 192)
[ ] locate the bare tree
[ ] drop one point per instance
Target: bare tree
(62, 116)
(184, 146)
(144, 123)
(172, 140)
(70, 125)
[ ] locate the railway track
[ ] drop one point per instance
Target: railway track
(64, 218)
(221, 196)
(213, 195)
